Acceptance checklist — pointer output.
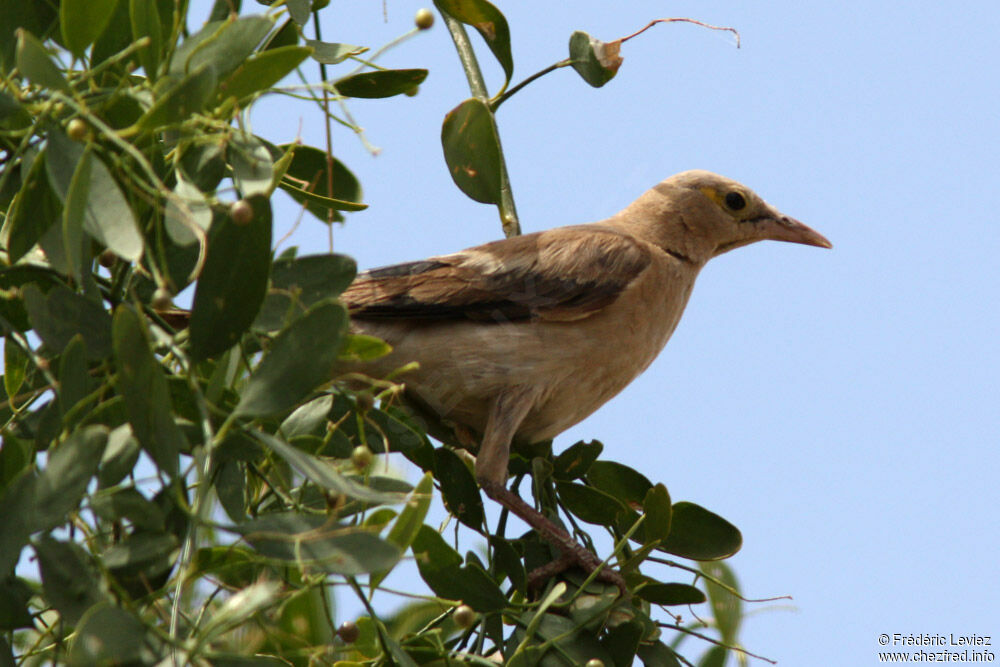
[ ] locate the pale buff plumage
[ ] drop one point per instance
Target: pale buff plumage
(523, 338)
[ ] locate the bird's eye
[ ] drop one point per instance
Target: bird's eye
(735, 201)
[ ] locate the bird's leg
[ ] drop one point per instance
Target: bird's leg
(507, 412)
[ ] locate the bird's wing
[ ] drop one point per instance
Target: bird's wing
(562, 274)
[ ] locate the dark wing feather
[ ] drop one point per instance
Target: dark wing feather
(562, 274)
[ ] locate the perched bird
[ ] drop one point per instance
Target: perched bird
(519, 339)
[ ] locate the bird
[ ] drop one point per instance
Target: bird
(519, 339)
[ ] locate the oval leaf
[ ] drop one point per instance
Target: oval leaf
(82, 21)
(307, 181)
(331, 53)
(698, 534)
(472, 150)
(590, 504)
(576, 461)
(301, 358)
(253, 170)
(489, 22)
(616, 479)
(62, 314)
(656, 506)
(670, 594)
(263, 70)
(727, 607)
(144, 389)
(458, 488)
(381, 83)
(595, 61)
(233, 282)
(441, 568)
(298, 283)
(35, 64)
(315, 540)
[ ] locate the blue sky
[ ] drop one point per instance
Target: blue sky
(840, 407)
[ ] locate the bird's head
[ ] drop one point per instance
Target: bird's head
(702, 215)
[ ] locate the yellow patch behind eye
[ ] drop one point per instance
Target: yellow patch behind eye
(720, 198)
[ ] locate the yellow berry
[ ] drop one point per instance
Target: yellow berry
(162, 299)
(424, 19)
(77, 130)
(362, 457)
(464, 616)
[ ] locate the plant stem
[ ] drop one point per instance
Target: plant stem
(537, 75)
(477, 85)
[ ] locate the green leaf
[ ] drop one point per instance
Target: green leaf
(590, 504)
(238, 608)
(145, 21)
(300, 359)
(310, 418)
(224, 45)
(14, 596)
(129, 504)
(359, 347)
(657, 508)
(234, 565)
(62, 314)
(142, 562)
(110, 635)
(441, 568)
(489, 22)
(380, 83)
(13, 116)
(74, 381)
(116, 36)
(658, 655)
(82, 21)
(187, 209)
(331, 53)
(714, 657)
(253, 170)
(17, 507)
(119, 457)
(63, 483)
(409, 521)
(307, 182)
(458, 488)
(698, 534)
(15, 365)
(69, 580)
(142, 385)
(35, 64)
(472, 150)
(622, 641)
(263, 70)
(727, 607)
(624, 483)
(576, 460)
(595, 61)
(233, 281)
(178, 102)
(323, 474)
(74, 212)
(90, 192)
(317, 541)
(671, 594)
(299, 10)
(33, 211)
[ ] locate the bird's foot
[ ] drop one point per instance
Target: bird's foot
(583, 559)
(573, 553)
